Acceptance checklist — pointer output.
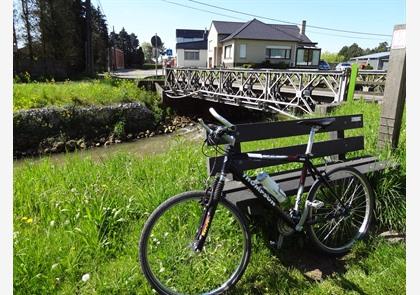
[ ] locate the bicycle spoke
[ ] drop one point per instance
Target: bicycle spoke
(337, 228)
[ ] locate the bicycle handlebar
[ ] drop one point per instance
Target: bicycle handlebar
(220, 118)
(219, 131)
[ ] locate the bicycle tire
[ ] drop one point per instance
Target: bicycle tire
(354, 224)
(188, 272)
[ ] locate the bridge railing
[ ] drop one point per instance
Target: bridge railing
(278, 90)
(369, 82)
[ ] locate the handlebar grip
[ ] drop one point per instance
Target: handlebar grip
(220, 118)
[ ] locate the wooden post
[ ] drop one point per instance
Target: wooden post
(352, 83)
(394, 94)
(339, 134)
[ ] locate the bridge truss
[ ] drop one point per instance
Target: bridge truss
(281, 91)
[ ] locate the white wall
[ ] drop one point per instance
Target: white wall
(211, 43)
(181, 62)
(229, 61)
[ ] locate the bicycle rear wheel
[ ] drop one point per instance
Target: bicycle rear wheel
(165, 248)
(338, 227)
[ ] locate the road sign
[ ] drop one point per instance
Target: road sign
(156, 41)
(169, 52)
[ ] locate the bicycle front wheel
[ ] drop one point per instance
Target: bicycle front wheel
(338, 225)
(167, 257)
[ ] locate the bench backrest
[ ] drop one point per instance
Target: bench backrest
(337, 146)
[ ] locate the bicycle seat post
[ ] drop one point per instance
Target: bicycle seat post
(311, 139)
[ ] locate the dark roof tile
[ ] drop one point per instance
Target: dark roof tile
(255, 29)
(186, 33)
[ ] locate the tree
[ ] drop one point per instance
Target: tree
(27, 14)
(53, 34)
(351, 51)
(129, 44)
(99, 39)
(331, 57)
(148, 51)
(354, 50)
(382, 47)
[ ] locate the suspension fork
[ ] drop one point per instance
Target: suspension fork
(211, 206)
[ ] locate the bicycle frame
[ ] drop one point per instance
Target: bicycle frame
(229, 167)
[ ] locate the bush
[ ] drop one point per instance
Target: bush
(93, 92)
(248, 66)
(32, 127)
(268, 65)
(390, 206)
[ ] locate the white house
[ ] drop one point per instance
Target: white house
(232, 44)
(191, 48)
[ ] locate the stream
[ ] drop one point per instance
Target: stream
(146, 146)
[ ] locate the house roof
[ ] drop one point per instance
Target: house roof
(226, 27)
(192, 45)
(255, 29)
(372, 56)
(186, 33)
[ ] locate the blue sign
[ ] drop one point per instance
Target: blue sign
(169, 52)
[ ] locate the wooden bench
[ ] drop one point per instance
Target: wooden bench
(335, 148)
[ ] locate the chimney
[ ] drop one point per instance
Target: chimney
(303, 27)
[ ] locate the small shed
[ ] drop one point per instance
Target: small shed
(379, 61)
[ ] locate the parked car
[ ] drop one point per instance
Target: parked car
(323, 65)
(342, 66)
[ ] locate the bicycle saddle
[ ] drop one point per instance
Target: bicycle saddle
(318, 122)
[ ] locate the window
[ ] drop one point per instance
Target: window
(228, 51)
(278, 52)
(242, 51)
(307, 57)
(191, 55)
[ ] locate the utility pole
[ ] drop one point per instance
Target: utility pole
(89, 49)
(156, 54)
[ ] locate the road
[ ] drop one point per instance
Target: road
(136, 73)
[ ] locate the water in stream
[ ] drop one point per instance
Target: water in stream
(145, 146)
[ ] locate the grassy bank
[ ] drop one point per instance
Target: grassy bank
(85, 216)
(89, 92)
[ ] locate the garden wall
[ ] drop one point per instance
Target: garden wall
(55, 129)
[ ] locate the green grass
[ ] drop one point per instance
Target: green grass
(85, 216)
(89, 92)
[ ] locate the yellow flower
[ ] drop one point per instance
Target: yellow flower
(29, 220)
(24, 218)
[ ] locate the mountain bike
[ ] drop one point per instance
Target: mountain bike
(198, 242)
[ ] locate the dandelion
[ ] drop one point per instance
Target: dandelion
(86, 277)
(29, 220)
(24, 218)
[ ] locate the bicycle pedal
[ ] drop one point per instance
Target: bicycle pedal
(279, 242)
(316, 204)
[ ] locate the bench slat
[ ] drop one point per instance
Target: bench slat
(238, 193)
(269, 130)
(319, 149)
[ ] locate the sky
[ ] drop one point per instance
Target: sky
(147, 17)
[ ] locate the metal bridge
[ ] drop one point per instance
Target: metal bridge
(283, 91)
(370, 84)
